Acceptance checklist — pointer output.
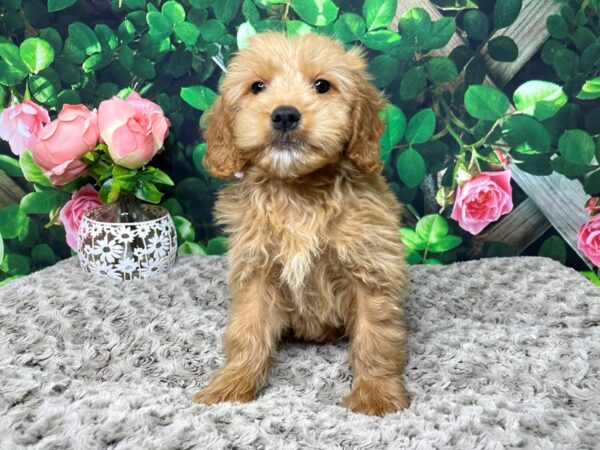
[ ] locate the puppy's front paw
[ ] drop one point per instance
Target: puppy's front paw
(217, 393)
(376, 397)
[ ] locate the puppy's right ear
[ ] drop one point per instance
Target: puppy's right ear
(222, 158)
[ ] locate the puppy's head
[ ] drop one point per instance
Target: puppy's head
(291, 106)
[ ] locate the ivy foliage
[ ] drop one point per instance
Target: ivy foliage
(441, 119)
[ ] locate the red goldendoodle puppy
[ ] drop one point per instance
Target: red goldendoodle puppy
(314, 249)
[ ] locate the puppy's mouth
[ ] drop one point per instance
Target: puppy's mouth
(286, 142)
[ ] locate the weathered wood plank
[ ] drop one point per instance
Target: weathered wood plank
(529, 32)
(526, 216)
(10, 192)
(560, 200)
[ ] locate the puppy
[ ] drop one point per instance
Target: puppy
(314, 250)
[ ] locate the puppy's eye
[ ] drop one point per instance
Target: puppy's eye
(322, 86)
(257, 87)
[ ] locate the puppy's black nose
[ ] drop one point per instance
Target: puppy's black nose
(285, 118)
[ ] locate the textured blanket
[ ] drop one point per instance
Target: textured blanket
(504, 353)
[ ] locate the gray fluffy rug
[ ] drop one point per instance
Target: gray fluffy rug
(504, 353)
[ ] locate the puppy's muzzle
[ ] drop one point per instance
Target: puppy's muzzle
(285, 118)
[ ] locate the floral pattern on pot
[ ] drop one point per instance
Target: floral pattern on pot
(127, 251)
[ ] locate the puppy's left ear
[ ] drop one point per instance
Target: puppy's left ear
(367, 127)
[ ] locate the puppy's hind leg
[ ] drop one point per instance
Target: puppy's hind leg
(250, 342)
(377, 354)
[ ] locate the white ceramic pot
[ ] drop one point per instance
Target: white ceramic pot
(111, 247)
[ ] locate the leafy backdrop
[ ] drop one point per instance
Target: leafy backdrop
(439, 117)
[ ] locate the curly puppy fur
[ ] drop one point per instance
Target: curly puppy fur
(314, 250)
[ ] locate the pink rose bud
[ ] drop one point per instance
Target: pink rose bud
(482, 200)
(63, 141)
(588, 239)
(71, 214)
(592, 207)
(502, 157)
(21, 124)
(134, 129)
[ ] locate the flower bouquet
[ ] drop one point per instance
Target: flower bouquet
(99, 158)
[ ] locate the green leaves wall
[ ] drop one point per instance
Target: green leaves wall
(71, 51)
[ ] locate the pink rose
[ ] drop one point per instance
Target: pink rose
(589, 239)
(71, 214)
(482, 200)
(592, 207)
(21, 124)
(134, 129)
(63, 141)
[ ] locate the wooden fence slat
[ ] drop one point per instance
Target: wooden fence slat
(560, 200)
(10, 192)
(525, 216)
(529, 32)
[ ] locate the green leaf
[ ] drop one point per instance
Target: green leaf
(298, 28)
(554, 247)
(395, 125)
(566, 63)
(384, 70)
(1, 247)
(13, 222)
(569, 169)
(109, 191)
(143, 67)
(84, 38)
(59, 5)
(42, 202)
(540, 99)
(15, 264)
(413, 83)
(154, 175)
(36, 53)
(441, 69)
(415, 26)
(147, 191)
(432, 228)
(173, 206)
(350, 27)
(445, 244)
(412, 240)
(42, 255)
(31, 171)
(159, 26)
(590, 90)
(503, 49)
(506, 12)
(126, 31)
(381, 39)
(11, 54)
(315, 12)
(432, 261)
(413, 258)
(592, 276)
(53, 37)
(526, 135)
(583, 38)
(592, 184)
(217, 246)
(191, 248)
(244, 32)
(187, 33)
(476, 24)
(198, 156)
(557, 26)
(421, 127)
(212, 30)
(185, 229)
(485, 102)
(96, 62)
(410, 167)
(10, 166)
(576, 146)
(379, 13)
(226, 10)
(173, 12)
(442, 31)
(199, 97)
(10, 75)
